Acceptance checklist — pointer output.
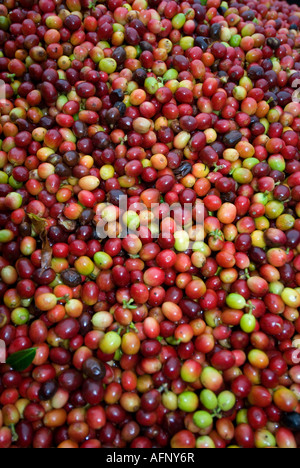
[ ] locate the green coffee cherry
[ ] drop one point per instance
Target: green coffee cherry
(208, 399)
(179, 21)
(110, 343)
(108, 65)
(188, 401)
(236, 301)
(202, 419)
(20, 316)
(151, 85)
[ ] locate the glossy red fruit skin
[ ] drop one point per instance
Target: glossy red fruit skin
(5, 437)
(199, 139)
(241, 386)
(271, 324)
(223, 360)
(259, 396)
(257, 418)
(244, 436)
(183, 439)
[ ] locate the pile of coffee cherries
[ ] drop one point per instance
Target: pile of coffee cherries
(175, 333)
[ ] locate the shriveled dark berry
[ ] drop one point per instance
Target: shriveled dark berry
(273, 42)
(62, 170)
(184, 169)
(71, 278)
(144, 45)
(231, 139)
(94, 369)
(255, 72)
(71, 158)
(215, 31)
(202, 43)
(48, 390)
(291, 421)
(114, 196)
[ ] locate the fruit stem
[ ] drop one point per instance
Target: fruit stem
(129, 305)
(123, 140)
(92, 6)
(66, 298)
(247, 275)
(163, 388)
(217, 234)
(171, 340)
(11, 76)
(251, 307)
(15, 436)
(133, 327)
(218, 168)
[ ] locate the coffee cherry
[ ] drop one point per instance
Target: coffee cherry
(94, 369)
(202, 419)
(149, 224)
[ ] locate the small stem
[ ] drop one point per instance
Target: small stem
(217, 234)
(15, 436)
(172, 341)
(118, 355)
(251, 307)
(217, 413)
(247, 275)
(163, 388)
(123, 140)
(133, 327)
(218, 168)
(129, 305)
(65, 298)
(92, 6)
(12, 76)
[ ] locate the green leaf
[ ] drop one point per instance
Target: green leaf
(22, 359)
